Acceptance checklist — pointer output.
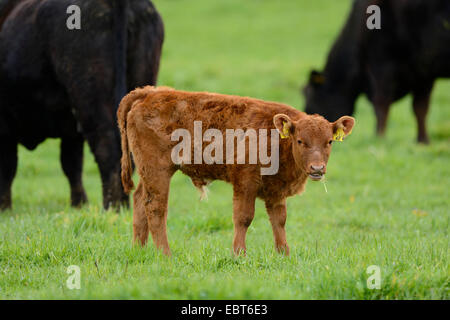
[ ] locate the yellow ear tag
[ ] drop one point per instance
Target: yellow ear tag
(339, 135)
(285, 133)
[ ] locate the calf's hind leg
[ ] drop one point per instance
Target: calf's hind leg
(140, 223)
(155, 198)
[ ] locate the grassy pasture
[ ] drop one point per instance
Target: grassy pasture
(387, 203)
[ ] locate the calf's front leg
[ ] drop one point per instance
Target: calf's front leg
(277, 215)
(243, 213)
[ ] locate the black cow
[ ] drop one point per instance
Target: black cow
(61, 83)
(406, 55)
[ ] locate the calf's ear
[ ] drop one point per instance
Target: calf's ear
(283, 124)
(342, 127)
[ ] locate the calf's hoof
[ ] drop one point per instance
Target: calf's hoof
(165, 251)
(240, 252)
(283, 249)
(140, 241)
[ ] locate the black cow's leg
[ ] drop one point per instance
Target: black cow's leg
(381, 112)
(8, 167)
(72, 165)
(95, 114)
(105, 145)
(421, 103)
(92, 98)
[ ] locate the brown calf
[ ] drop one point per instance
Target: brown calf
(147, 118)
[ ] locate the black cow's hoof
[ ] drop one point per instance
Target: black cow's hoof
(423, 140)
(78, 199)
(5, 202)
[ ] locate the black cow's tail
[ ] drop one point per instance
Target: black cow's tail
(6, 6)
(120, 20)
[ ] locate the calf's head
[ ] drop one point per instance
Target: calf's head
(312, 137)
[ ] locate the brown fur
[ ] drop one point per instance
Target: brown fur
(148, 116)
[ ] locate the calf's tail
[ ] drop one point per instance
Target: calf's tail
(127, 167)
(122, 114)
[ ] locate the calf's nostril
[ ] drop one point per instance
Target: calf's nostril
(317, 168)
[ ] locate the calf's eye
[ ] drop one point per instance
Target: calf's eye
(330, 142)
(299, 141)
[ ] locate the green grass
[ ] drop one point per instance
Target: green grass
(387, 202)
